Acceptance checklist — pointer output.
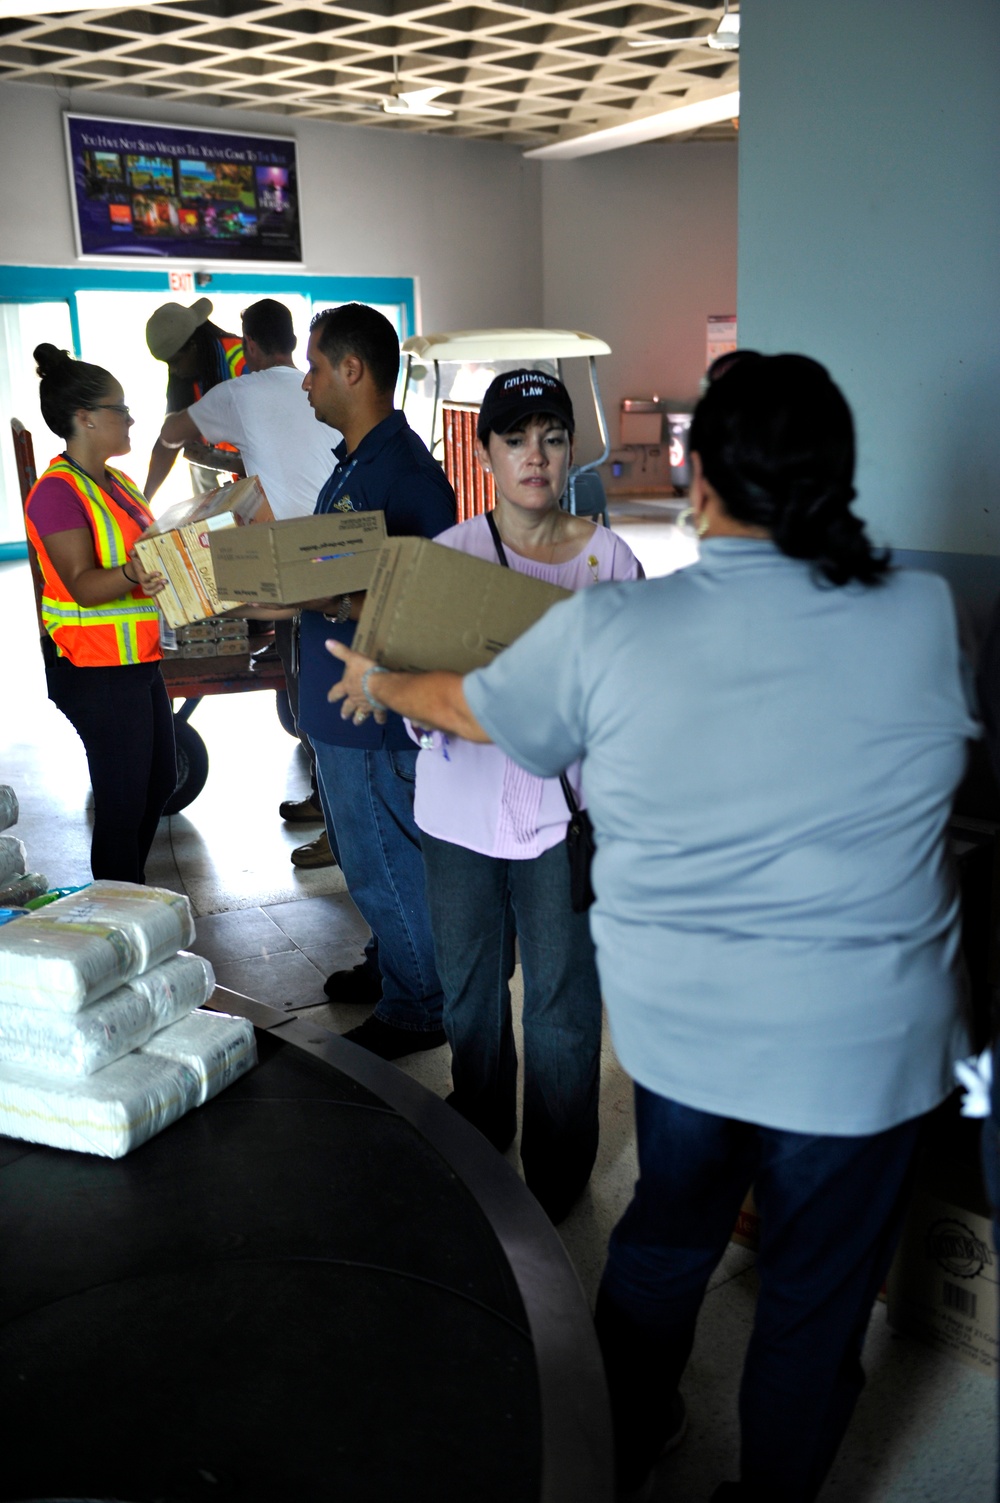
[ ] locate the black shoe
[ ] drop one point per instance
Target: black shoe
(640, 1492)
(500, 1137)
(390, 1042)
(363, 984)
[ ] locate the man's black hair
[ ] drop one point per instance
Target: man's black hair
(269, 324)
(356, 329)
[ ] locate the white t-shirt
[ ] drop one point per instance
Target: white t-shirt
(266, 414)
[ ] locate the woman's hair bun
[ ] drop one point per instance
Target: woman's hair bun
(48, 359)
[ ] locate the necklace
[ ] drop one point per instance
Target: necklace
(552, 546)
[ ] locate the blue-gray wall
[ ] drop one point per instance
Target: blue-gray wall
(869, 237)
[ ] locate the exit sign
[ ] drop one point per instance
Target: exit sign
(182, 281)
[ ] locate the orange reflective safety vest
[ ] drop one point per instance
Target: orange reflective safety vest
(232, 353)
(119, 631)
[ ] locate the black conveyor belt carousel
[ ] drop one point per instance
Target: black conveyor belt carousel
(321, 1285)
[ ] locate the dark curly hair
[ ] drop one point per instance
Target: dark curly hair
(776, 441)
(66, 386)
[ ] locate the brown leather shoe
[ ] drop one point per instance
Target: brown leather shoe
(315, 853)
(300, 811)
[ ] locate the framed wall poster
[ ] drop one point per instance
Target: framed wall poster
(182, 192)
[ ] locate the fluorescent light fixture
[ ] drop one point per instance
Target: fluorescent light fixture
(652, 128)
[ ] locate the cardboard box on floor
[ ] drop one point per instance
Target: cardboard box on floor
(177, 545)
(301, 558)
(942, 1286)
(430, 607)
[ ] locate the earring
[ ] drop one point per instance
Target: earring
(90, 425)
(702, 525)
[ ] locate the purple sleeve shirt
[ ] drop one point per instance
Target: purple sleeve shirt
(56, 507)
(475, 796)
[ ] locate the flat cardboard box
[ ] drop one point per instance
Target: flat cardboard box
(300, 558)
(430, 607)
(177, 545)
(942, 1287)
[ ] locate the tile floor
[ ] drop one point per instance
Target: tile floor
(925, 1428)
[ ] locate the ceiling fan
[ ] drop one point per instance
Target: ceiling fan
(725, 38)
(401, 99)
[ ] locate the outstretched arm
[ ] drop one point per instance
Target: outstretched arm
(161, 462)
(435, 700)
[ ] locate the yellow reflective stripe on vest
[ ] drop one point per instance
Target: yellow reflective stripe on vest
(123, 615)
(233, 350)
(111, 548)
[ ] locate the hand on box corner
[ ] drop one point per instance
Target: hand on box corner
(356, 705)
(148, 583)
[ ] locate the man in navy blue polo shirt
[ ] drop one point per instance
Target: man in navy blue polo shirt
(367, 772)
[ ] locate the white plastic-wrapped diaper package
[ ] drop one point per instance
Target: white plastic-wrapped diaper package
(75, 1044)
(13, 856)
(216, 1047)
(108, 1113)
(81, 947)
(8, 807)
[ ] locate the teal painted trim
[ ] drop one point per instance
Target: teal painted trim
(34, 284)
(9, 551)
(74, 326)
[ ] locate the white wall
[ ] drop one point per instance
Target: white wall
(869, 236)
(639, 247)
(461, 216)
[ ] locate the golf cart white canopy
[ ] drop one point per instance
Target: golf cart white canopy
(505, 344)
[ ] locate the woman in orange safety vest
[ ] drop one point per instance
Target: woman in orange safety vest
(102, 644)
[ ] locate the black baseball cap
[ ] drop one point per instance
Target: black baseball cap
(513, 396)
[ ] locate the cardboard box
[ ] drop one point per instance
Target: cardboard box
(301, 558)
(212, 629)
(942, 1286)
(177, 545)
(430, 607)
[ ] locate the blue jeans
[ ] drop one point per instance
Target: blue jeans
(478, 903)
(368, 806)
(831, 1212)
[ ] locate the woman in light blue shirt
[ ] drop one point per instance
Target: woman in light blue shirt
(771, 740)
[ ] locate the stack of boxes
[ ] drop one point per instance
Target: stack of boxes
(177, 546)
(215, 637)
(101, 1043)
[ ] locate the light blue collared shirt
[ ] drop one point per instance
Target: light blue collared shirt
(769, 764)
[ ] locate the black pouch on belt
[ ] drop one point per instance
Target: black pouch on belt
(580, 848)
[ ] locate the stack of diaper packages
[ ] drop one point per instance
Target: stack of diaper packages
(101, 1046)
(17, 884)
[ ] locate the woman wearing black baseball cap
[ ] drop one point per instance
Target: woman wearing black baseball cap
(494, 835)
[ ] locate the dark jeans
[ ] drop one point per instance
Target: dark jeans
(368, 805)
(831, 1212)
(991, 1160)
(285, 640)
(477, 905)
(123, 717)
